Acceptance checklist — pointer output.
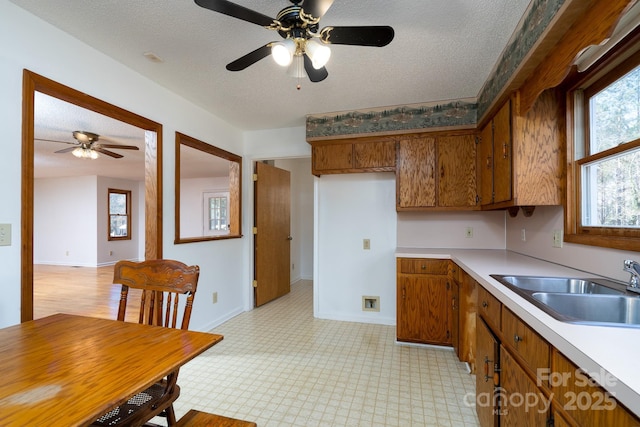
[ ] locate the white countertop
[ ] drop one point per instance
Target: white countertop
(597, 350)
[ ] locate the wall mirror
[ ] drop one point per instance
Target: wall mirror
(208, 183)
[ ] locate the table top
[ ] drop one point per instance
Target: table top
(69, 370)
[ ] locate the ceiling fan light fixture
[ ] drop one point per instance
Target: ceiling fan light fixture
(85, 153)
(319, 53)
(296, 69)
(282, 52)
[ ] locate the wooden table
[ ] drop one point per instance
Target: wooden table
(69, 370)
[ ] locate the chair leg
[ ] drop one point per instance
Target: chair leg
(171, 416)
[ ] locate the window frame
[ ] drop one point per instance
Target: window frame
(615, 64)
(127, 194)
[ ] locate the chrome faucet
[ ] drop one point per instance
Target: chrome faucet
(633, 267)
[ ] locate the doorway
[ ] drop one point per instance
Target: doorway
(301, 219)
(34, 83)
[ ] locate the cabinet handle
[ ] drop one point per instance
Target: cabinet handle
(486, 369)
(442, 171)
(517, 338)
(488, 162)
(504, 150)
(485, 304)
(424, 267)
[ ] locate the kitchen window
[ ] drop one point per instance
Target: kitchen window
(603, 206)
(119, 214)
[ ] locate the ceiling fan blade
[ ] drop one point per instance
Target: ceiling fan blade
(107, 152)
(53, 140)
(250, 58)
(314, 75)
(236, 11)
(118, 146)
(316, 8)
(66, 150)
(359, 36)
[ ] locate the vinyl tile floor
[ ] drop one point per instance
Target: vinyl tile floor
(279, 366)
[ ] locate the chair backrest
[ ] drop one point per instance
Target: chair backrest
(161, 281)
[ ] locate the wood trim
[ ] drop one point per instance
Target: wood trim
(595, 25)
(33, 82)
(235, 188)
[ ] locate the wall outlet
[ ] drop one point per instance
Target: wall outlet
(557, 238)
(5, 234)
(110, 253)
(215, 297)
(523, 235)
(366, 244)
(469, 233)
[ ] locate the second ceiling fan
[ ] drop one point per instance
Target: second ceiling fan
(305, 45)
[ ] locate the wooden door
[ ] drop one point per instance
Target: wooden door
(485, 165)
(457, 171)
(272, 237)
(486, 377)
(415, 174)
(502, 154)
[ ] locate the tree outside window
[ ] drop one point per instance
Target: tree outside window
(119, 214)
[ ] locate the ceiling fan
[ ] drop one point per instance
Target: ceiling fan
(88, 147)
(304, 45)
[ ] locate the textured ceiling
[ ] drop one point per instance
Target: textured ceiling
(443, 49)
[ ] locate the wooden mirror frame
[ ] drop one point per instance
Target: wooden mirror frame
(32, 83)
(235, 188)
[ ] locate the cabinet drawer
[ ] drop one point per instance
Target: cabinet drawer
(582, 399)
(424, 266)
(489, 308)
(526, 343)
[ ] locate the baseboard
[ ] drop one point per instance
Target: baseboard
(433, 346)
(220, 320)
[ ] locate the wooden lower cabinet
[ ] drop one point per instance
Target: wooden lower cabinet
(423, 301)
(487, 381)
(530, 383)
(580, 399)
(522, 403)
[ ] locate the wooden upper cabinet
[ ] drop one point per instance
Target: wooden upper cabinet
(485, 164)
(416, 172)
(355, 155)
(457, 171)
(502, 145)
(521, 161)
(332, 157)
(436, 171)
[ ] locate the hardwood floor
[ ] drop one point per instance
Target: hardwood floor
(86, 291)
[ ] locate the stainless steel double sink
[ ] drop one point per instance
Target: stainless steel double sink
(590, 301)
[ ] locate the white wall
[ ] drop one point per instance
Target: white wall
(539, 243)
(41, 48)
(65, 220)
(448, 230)
(350, 208)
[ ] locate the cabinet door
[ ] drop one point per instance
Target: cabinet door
(423, 309)
(415, 173)
(457, 171)
(485, 165)
(374, 155)
(502, 154)
(455, 317)
(332, 157)
(521, 402)
(486, 376)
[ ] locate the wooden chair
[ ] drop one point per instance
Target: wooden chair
(161, 282)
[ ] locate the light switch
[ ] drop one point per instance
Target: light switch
(5, 234)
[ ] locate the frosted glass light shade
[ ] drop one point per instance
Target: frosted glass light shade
(282, 52)
(318, 53)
